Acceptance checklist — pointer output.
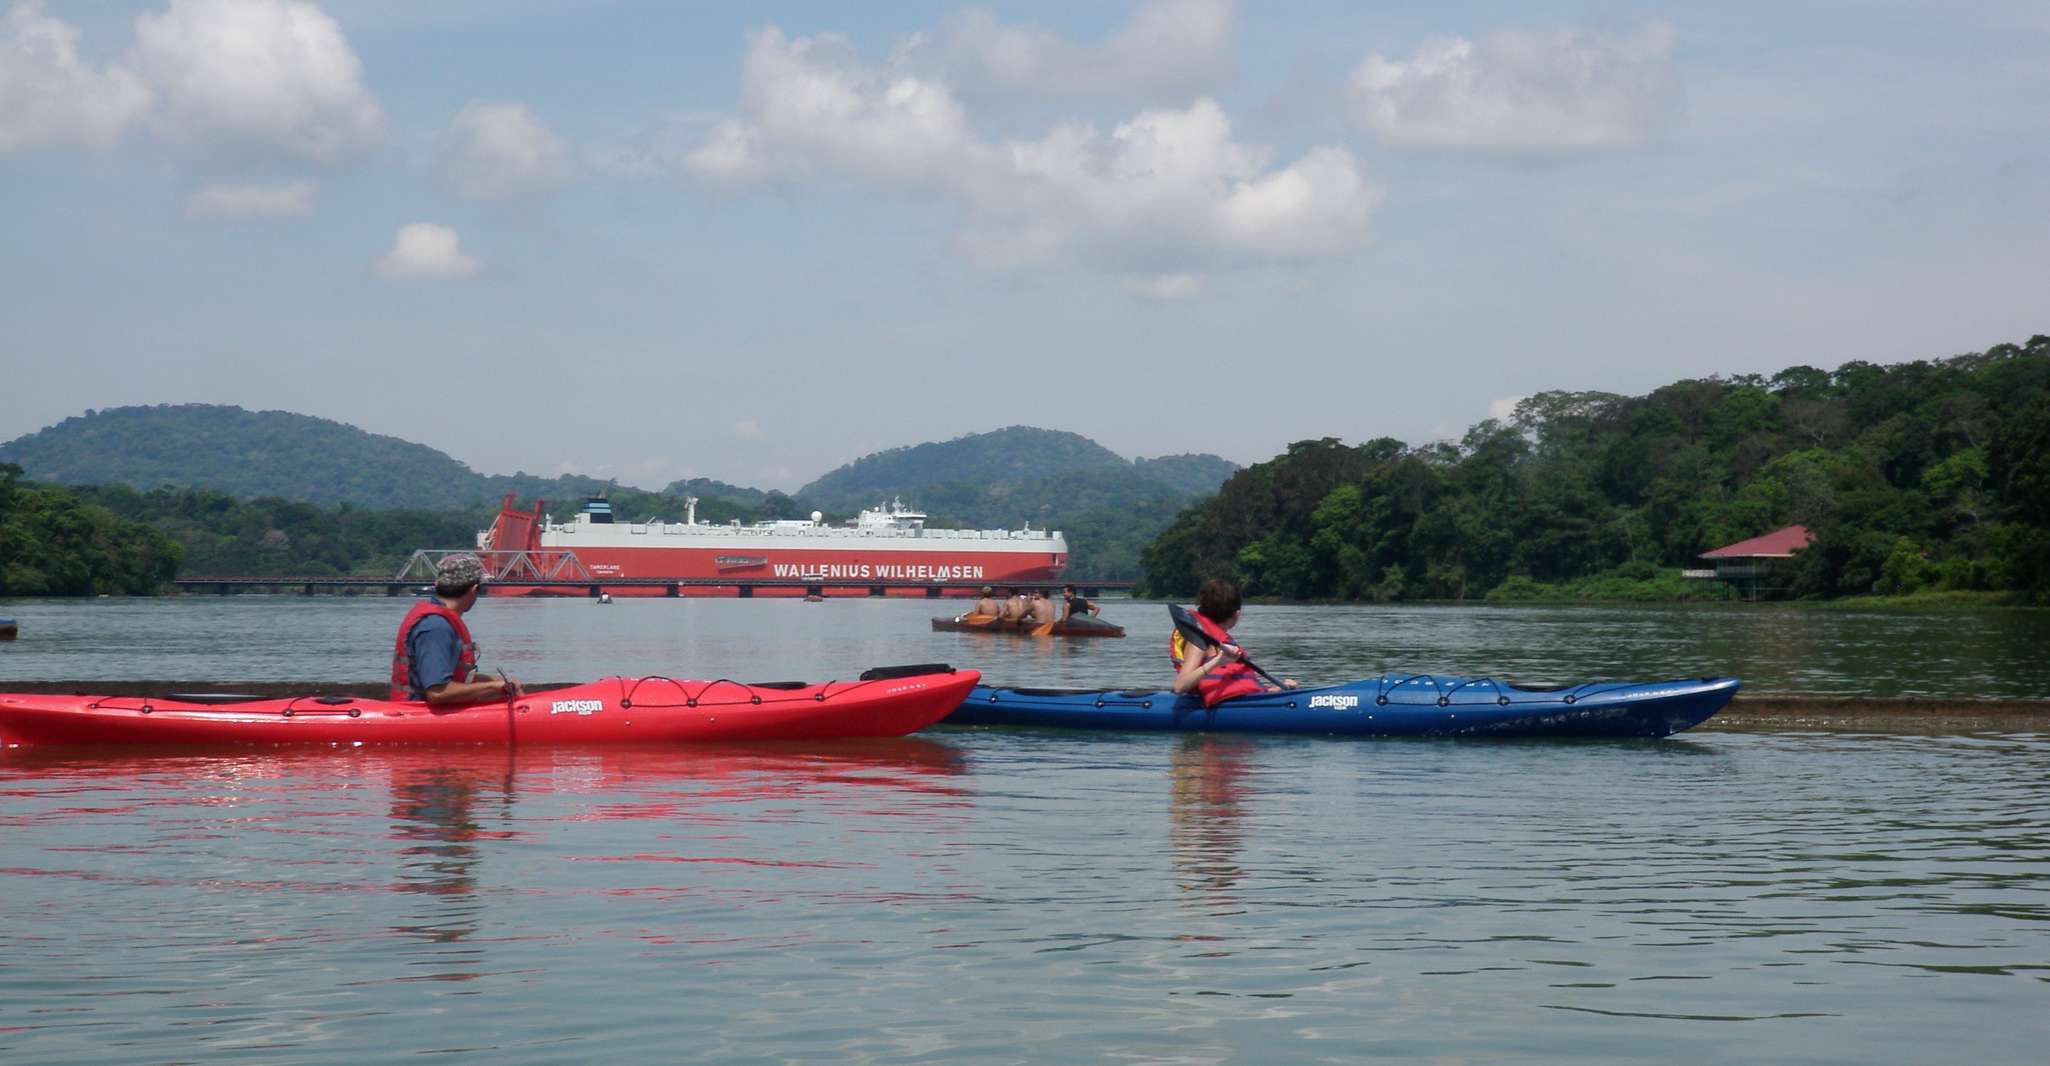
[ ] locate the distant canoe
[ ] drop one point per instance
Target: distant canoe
(1083, 626)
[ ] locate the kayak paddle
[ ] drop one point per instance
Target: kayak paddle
(1193, 630)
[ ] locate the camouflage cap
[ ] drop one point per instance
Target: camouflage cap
(458, 571)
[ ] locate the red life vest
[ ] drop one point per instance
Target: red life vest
(402, 661)
(1225, 680)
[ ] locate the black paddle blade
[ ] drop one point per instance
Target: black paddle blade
(885, 673)
(1190, 628)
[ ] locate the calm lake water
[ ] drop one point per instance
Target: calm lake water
(1774, 649)
(993, 895)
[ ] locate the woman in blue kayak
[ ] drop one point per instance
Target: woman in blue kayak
(1223, 673)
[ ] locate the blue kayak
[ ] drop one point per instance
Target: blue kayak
(1388, 706)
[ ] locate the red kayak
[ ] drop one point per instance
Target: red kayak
(615, 710)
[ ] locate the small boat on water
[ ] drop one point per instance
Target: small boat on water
(885, 702)
(8, 629)
(1387, 706)
(1081, 625)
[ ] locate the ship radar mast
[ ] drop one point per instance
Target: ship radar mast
(892, 515)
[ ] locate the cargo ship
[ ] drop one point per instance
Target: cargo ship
(888, 546)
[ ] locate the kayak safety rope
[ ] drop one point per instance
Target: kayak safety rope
(320, 706)
(629, 693)
(1445, 690)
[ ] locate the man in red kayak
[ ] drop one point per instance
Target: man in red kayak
(434, 659)
(1223, 673)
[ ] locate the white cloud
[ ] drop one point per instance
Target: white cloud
(47, 97)
(251, 201)
(1165, 287)
(271, 73)
(1169, 46)
(426, 250)
(654, 146)
(1502, 407)
(1164, 188)
(505, 150)
(748, 429)
(1521, 91)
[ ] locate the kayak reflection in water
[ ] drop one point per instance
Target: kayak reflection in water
(437, 829)
(1223, 673)
(1205, 806)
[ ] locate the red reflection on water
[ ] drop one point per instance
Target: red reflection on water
(1206, 805)
(441, 803)
(794, 864)
(244, 775)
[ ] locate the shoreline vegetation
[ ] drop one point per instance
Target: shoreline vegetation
(1926, 485)
(1936, 600)
(1918, 478)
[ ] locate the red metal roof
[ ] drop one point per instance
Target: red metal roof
(1778, 544)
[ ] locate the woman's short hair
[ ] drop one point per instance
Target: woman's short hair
(1218, 599)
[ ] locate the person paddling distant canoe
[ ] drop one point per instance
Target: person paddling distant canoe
(1223, 673)
(987, 604)
(1072, 601)
(1015, 606)
(435, 660)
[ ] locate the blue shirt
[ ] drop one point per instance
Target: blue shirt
(434, 648)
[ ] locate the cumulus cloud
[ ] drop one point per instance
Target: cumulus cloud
(1501, 408)
(1165, 287)
(1167, 186)
(274, 74)
(1169, 46)
(1521, 91)
(748, 429)
(426, 250)
(504, 150)
(48, 98)
(251, 201)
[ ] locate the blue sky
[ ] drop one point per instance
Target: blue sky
(751, 242)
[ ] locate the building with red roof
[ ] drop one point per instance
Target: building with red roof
(1749, 565)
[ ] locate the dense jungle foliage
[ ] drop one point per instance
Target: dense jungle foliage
(52, 543)
(1920, 476)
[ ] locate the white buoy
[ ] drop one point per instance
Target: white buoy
(605, 597)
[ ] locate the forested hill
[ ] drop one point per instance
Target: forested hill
(1109, 507)
(1919, 476)
(1009, 456)
(277, 454)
